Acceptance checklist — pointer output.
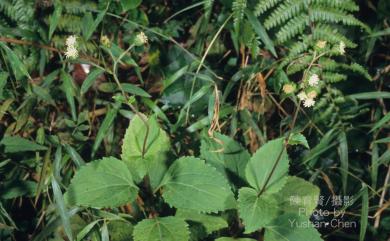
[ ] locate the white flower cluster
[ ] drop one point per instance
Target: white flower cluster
(71, 50)
(141, 39)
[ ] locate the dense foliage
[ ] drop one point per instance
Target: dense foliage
(194, 120)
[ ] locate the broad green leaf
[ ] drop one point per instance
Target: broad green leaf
(256, 211)
(102, 183)
(88, 82)
(15, 144)
(130, 4)
(54, 18)
(291, 227)
(192, 184)
(270, 163)
(298, 139)
(145, 157)
(298, 196)
(161, 229)
(234, 239)
(223, 152)
(211, 223)
(134, 90)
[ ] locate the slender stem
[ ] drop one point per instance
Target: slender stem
(142, 117)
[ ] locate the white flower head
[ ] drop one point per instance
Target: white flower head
(71, 53)
(314, 80)
(71, 41)
(288, 88)
(309, 102)
(342, 48)
(302, 96)
(321, 44)
(141, 39)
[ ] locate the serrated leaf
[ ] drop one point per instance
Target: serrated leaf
(211, 223)
(291, 227)
(161, 229)
(15, 144)
(256, 211)
(150, 160)
(192, 184)
(298, 196)
(102, 183)
(298, 139)
(261, 164)
(224, 153)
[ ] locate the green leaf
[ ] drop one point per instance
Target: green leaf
(291, 227)
(59, 200)
(135, 90)
(130, 4)
(261, 32)
(145, 157)
(364, 215)
(298, 196)
(381, 122)
(271, 156)
(161, 229)
(104, 127)
(16, 64)
(370, 95)
(223, 152)
(88, 82)
(211, 223)
(344, 162)
(68, 88)
(298, 139)
(90, 25)
(192, 184)
(256, 211)
(15, 144)
(102, 183)
(54, 18)
(3, 82)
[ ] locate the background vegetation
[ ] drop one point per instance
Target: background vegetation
(208, 67)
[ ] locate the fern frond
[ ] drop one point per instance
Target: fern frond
(348, 5)
(322, 14)
(238, 8)
(292, 28)
(262, 6)
(299, 65)
(283, 13)
(331, 77)
(331, 35)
